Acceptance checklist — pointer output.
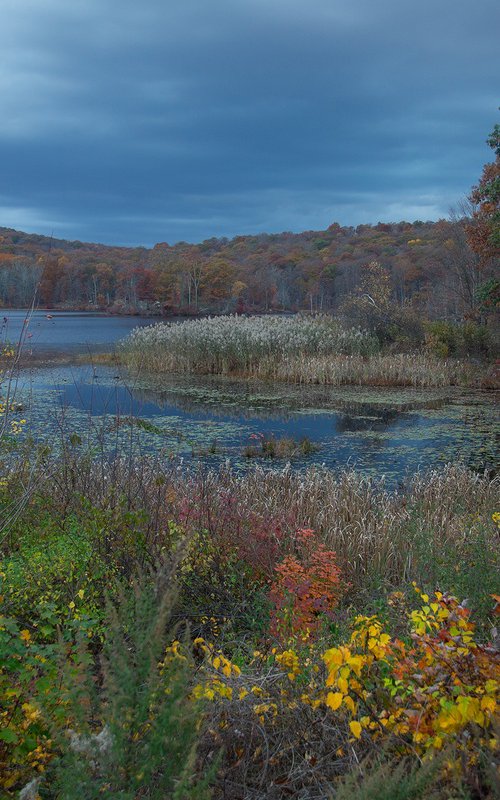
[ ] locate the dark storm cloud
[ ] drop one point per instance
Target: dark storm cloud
(182, 119)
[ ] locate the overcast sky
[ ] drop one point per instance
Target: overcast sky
(138, 121)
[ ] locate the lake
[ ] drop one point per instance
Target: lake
(212, 419)
(53, 333)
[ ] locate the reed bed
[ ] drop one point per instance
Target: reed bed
(232, 344)
(374, 531)
(417, 370)
(381, 534)
(301, 350)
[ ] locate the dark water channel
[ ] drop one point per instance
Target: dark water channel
(380, 432)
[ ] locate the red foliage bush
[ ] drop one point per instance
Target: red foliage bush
(306, 589)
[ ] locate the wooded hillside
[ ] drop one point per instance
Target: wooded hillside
(430, 265)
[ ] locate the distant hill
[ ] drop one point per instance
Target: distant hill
(428, 263)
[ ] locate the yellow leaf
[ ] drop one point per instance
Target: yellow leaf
(488, 704)
(350, 704)
(333, 657)
(355, 728)
(356, 664)
(334, 700)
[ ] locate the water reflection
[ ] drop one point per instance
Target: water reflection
(387, 432)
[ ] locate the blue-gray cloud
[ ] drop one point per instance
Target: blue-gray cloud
(128, 122)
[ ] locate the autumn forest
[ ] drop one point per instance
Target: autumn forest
(431, 267)
(443, 269)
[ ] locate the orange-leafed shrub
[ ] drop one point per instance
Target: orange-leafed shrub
(306, 589)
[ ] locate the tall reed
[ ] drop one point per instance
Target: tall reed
(377, 533)
(300, 349)
(231, 344)
(418, 370)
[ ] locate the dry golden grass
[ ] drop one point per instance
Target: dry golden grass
(377, 533)
(374, 531)
(419, 370)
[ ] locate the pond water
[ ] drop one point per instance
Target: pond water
(379, 432)
(390, 432)
(53, 333)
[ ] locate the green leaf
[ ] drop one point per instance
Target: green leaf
(9, 736)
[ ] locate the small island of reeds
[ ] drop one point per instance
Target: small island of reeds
(302, 349)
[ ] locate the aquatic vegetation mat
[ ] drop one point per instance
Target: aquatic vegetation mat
(379, 431)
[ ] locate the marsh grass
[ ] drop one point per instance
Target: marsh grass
(229, 345)
(435, 529)
(299, 350)
(382, 538)
(417, 370)
(281, 447)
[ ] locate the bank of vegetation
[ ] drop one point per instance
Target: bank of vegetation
(180, 633)
(316, 350)
(193, 634)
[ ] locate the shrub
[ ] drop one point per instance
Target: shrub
(445, 339)
(488, 294)
(306, 589)
(439, 689)
(389, 777)
(55, 579)
(29, 674)
(150, 721)
(125, 725)
(290, 723)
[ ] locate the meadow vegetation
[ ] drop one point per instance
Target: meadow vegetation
(184, 634)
